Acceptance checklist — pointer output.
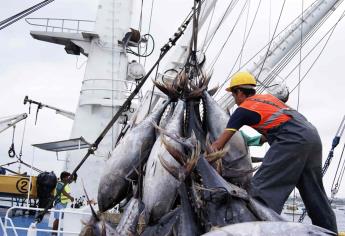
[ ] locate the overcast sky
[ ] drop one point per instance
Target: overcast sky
(47, 74)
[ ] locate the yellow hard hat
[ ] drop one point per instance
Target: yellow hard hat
(241, 78)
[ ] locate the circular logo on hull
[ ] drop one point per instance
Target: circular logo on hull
(23, 185)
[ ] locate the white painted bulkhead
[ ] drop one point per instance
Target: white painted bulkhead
(104, 89)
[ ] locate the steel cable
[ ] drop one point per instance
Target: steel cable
(269, 46)
(228, 37)
(9, 21)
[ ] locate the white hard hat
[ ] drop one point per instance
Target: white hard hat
(280, 90)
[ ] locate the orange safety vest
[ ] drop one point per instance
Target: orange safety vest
(270, 109)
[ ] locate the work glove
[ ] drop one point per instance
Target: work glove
(251, 141)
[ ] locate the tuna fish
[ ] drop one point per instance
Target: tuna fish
(238, 156)
(188, 221)
(269, 229)
(126, 157)
(225, 203)
(165, 226)
(130, 218)
(159, 186)
(98, 227)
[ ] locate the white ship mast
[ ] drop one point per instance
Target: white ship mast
(283, 45)
(104, 88)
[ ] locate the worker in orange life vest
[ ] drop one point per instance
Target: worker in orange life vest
(295, 154)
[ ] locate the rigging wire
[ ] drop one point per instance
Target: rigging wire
(244, 34)
(336, 185)
(330, 30)
(9, 21)
(220, 23)
(269, 20)
(208, 28)
(299, 91)
(153, 90)
(22, 143)
(228, 37)
(140, 25)
(287, 58)
(238, 56)
(300, 59)
(269, 46)
(318, 56)
(294, 50)
(149, 29)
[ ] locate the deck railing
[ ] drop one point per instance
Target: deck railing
(9, 225)
(62, 25)
(2, 228)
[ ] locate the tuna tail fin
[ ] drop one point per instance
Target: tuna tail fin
(197, 90)
(213, 91)
(167, 89)
(182, 172)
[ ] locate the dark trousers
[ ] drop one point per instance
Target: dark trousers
(294, 159)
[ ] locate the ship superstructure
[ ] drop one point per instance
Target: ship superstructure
(110, 77)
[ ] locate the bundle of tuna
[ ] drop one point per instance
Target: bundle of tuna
(183, 187)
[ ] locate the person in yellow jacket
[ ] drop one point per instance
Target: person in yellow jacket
(62, 199)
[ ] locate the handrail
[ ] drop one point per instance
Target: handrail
(130, 86)
(3, 228)
(113, 80)
(59, 231)
(49, 27)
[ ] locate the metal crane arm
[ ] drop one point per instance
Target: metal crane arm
(8, 122)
